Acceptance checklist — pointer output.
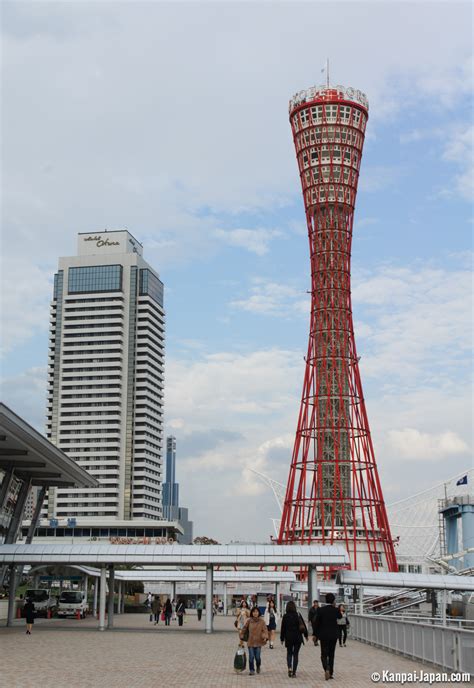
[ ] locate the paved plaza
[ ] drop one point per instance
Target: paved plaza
(136, 654)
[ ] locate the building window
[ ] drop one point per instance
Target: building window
(95, 279)
(150, 285)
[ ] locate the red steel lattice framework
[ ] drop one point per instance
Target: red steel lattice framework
(333, 493)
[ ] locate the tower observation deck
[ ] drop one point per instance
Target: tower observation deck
(333, 493)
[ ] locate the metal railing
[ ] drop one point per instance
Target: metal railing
(445, 646)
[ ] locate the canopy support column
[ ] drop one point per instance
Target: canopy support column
(102, 598)
(94, 601)
(209, 591)
(119, 597)
(110, 620)
(225, 599)
(313, 593)
(12, 595)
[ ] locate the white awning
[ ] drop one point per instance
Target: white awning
(34, 458)
(406, 580)
(175, 555)
(180, 576)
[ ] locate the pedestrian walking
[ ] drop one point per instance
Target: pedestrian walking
(221, 607)
(255, 631)
(311, 617)
(29, 611)
(325, 628)
(148, 603)
(173, 607)
(156, 608)
(199, 608)
(343, 625)
(293, 630)
(243, 614)
(180, 610)
(270, 618)
(168, 612)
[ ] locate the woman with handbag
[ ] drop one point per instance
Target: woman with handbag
(293, 628)
(342, 625)
(256, 635)
(168, 609)
(270, 618)
(243, 614)
(29, 611)
(180, 611)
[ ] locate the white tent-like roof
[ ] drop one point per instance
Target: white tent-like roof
(406, 580)
(175, 555)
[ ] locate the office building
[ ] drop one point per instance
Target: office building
(105, 386)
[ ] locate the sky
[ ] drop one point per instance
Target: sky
(171, 120)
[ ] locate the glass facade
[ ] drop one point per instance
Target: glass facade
(150, 285)
(58, 285)
(95, 278)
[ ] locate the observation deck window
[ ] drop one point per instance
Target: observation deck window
(345, 112)
(304, 117)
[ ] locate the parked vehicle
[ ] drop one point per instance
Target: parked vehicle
(71, 602)
(42, 599)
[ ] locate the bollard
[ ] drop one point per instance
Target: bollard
(18, 612)
(78, 614)
(48, 613)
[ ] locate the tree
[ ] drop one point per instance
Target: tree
(204, 540)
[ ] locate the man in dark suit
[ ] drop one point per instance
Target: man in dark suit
(325, 628)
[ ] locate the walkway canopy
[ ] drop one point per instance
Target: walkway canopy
(33, 458)
(175, 555)
(242, 557)
(406, 580)
(188, 576)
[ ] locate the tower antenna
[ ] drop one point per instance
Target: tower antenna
(327, 72)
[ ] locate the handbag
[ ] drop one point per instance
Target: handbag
(244, 633)
(236, 623)
(302, 626)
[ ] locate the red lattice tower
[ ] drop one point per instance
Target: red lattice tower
(333, 493)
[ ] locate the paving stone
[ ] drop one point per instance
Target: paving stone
(70, 653)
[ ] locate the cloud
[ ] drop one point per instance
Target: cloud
(378, 177)
(26, 292)
(254, 240)
(274, 299)
(410, 443)
(366, 222)
(459, 148)
(25, 394)
(416, 322)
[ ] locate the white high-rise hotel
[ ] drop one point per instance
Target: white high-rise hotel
(105, 383)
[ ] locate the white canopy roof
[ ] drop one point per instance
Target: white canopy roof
(34, 458)
(175, 555)
(406, 580)
(179, 576)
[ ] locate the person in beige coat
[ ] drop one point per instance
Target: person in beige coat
(257, 637)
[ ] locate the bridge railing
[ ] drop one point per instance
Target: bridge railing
(445, 646)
